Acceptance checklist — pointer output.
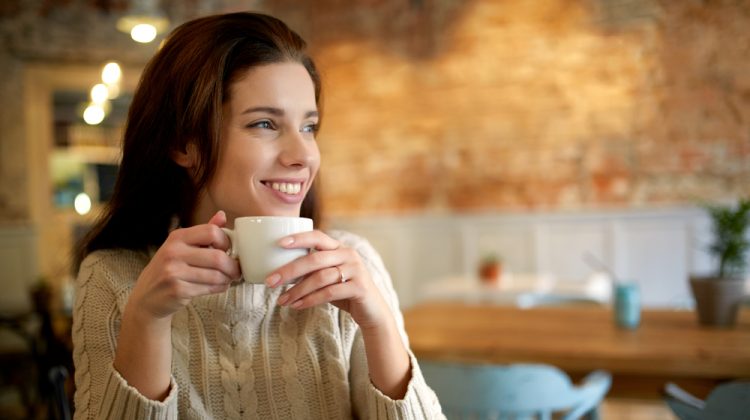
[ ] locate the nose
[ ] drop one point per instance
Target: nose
(298, 150)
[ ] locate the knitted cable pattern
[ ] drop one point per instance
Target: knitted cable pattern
(270, 349)
(334, 358)
(80, 353)
(237, 377)
(312, 346)
(236, 354)
(289, 330)
(245, 375)
(181, 357)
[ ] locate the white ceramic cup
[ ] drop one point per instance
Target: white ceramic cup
(254, 241)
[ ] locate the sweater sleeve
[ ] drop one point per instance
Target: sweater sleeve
(101, 393)
(419, 402)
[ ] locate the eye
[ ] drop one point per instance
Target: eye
(264, 124)
(310, 128)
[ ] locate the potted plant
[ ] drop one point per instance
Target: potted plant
(717, 297)
(490, 269)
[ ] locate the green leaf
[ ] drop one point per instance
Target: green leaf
(730, 244)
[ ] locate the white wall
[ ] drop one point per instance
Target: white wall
(658, 248)
(18, 267)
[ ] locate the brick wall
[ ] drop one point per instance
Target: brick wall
(444, 106)
(484, 105)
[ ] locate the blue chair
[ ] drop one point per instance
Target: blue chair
(60, 407)
(514, 391)
(727, 401)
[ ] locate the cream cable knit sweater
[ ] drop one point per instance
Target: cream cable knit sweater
(237, 355)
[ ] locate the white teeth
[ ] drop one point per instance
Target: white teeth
(286, 187)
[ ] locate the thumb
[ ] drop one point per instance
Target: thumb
(218, 219)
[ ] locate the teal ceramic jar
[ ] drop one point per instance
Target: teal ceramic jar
(627, 309)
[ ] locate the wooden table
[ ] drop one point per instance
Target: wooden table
(668, 345)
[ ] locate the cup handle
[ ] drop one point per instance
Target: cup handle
(232, 251)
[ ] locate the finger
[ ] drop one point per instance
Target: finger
(204, 276)
(318, 280)
(191, 289)
(332, 293)
(305, 265)
(211, 258)
(203, 235)
(219, 219)
(314, 239)
(199, 289)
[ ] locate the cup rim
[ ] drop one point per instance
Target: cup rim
(261, 218)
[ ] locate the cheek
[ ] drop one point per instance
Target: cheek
(242, 162)
(315, 160)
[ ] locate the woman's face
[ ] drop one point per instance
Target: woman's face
(268, 157)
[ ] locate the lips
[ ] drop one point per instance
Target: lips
(290, 191)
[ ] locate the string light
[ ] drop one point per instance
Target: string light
(143, 21)
(93, 114)
(111, 73)
(99, 93)
(143, 33)
(82, 204)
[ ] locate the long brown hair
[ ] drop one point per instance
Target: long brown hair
(179, 101)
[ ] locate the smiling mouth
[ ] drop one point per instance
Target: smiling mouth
(289, 188)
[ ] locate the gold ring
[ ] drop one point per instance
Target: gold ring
(341, 275)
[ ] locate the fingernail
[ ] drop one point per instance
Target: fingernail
(282, 299)
(273, 279)
(297, 304)
(286, 241)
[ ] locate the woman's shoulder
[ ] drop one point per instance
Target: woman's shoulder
(116, 256)
(369, 254)
(345, 237)
(356, 242)
(119, 263)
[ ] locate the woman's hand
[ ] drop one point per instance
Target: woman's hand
(191, 262)
(332, 274)
(338, 275)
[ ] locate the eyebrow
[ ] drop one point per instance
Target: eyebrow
(276, 111)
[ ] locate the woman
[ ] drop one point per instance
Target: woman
(223, 125)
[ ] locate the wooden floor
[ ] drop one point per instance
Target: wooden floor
(632, 409)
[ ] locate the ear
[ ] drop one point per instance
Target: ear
(187, 158)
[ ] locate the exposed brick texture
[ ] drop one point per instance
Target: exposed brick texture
(482, 105)
(488, 105)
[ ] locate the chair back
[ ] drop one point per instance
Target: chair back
(60, 409)
(727, 401)
(518, 390)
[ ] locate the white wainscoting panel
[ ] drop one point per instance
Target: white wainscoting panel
(563, 245)
(437, 249)
(657, 248)
(654, 254)
(698, 242)
(512, 240)
(394, 247)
